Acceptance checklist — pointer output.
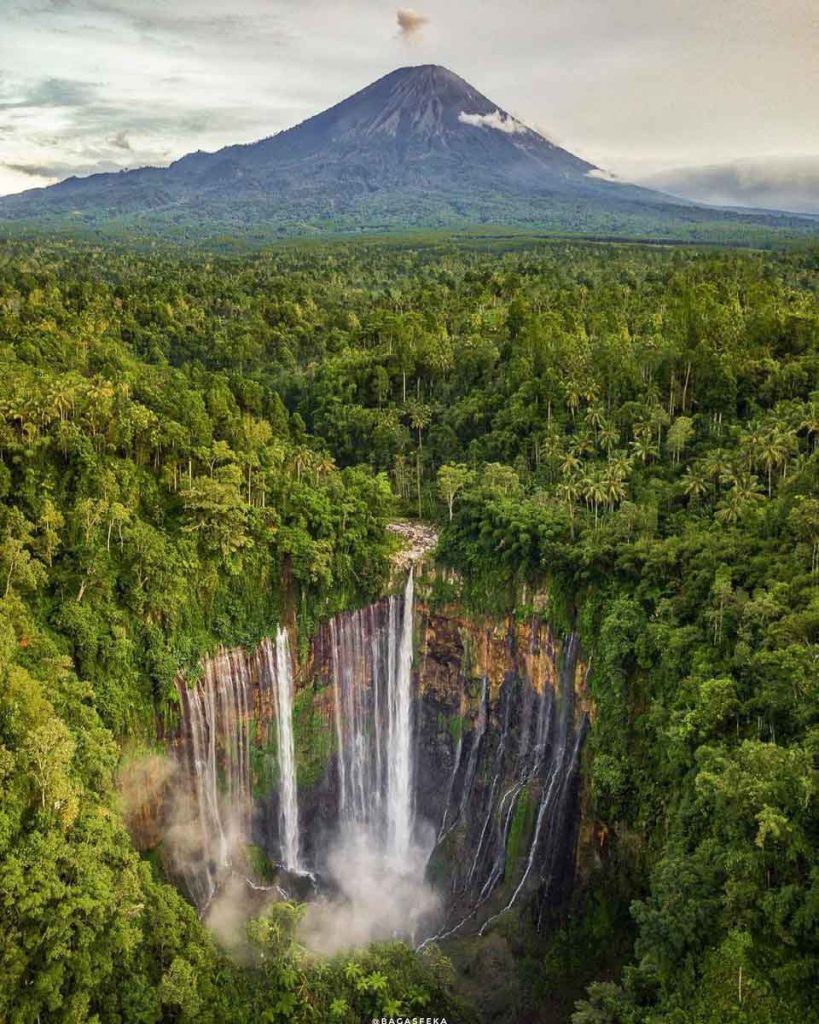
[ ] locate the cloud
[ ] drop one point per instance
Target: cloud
(53, 92)
(59, 170)
(779, 183)
(37, 170)
(410, 23)
(598, 172)
(499, 121)
(120, 141)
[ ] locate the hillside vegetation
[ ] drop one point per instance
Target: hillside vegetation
(193, 447)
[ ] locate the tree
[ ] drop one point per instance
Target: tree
(772, 452)
(47, 751)
(420, 416)
(452, 478)
(18, 563)
(217, 512)
(695, 484)
(49, 525)
(679, 434)
(178, 989)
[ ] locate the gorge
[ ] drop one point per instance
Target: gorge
(436, 755)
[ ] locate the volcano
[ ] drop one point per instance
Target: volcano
(420, 147)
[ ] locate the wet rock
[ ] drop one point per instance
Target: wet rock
(418, 541)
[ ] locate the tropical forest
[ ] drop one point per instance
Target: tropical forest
(409, 628)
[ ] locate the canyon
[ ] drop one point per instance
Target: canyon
(414, 752)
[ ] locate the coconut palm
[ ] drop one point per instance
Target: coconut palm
(772, 452)
(570, 464)
(811, 424)
(569, 491)
(695, 484)
(717, 466)
(608, 435)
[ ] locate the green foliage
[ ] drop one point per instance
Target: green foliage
(87, 932)
(193, 447)
(128, 479)
(520, 829)
(315, 744)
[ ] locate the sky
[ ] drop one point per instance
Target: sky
(639, 88)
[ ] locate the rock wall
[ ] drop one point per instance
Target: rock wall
(499, 715)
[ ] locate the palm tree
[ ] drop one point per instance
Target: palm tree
(594, 494)
(608, 436)
(643, 447)
(695, 484)
(420, 416)
(582, 444)
(717, 466)
(569, 491)
(772, 452)
(551, 448)
(747, 489)
(570, 463)
(614, 487)
(573, 391)
(324, 466)
(620, 464)
(729, 510)
(299, 462)
(811, 424)
(595, 417)
(744, 494)
(60, 398)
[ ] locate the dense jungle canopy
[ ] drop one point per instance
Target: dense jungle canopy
(194, 444)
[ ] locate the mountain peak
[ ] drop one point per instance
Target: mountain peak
(423, 99)
(420, 69)
(433, 73)
(420, 139)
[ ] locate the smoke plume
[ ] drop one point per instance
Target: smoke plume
(410, 24)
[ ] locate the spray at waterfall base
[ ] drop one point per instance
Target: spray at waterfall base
(448, 794)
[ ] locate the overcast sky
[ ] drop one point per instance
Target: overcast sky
(634, 86)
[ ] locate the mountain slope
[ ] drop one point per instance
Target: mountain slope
(419, 147)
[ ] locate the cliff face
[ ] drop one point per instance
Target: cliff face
(501, 728)
(497, 721)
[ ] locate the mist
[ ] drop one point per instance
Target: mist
(376, 895)
(777, 183)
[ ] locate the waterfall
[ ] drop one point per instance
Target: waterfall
(399, 790)
(276, 673)
(352, 670)
(502, 792)
(288, 793)
(375, 864)
(215, 714)
(215, 748)
(535, 754)
(560, 767)
(371, 653)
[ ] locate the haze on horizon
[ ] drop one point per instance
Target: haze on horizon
(725, 89)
